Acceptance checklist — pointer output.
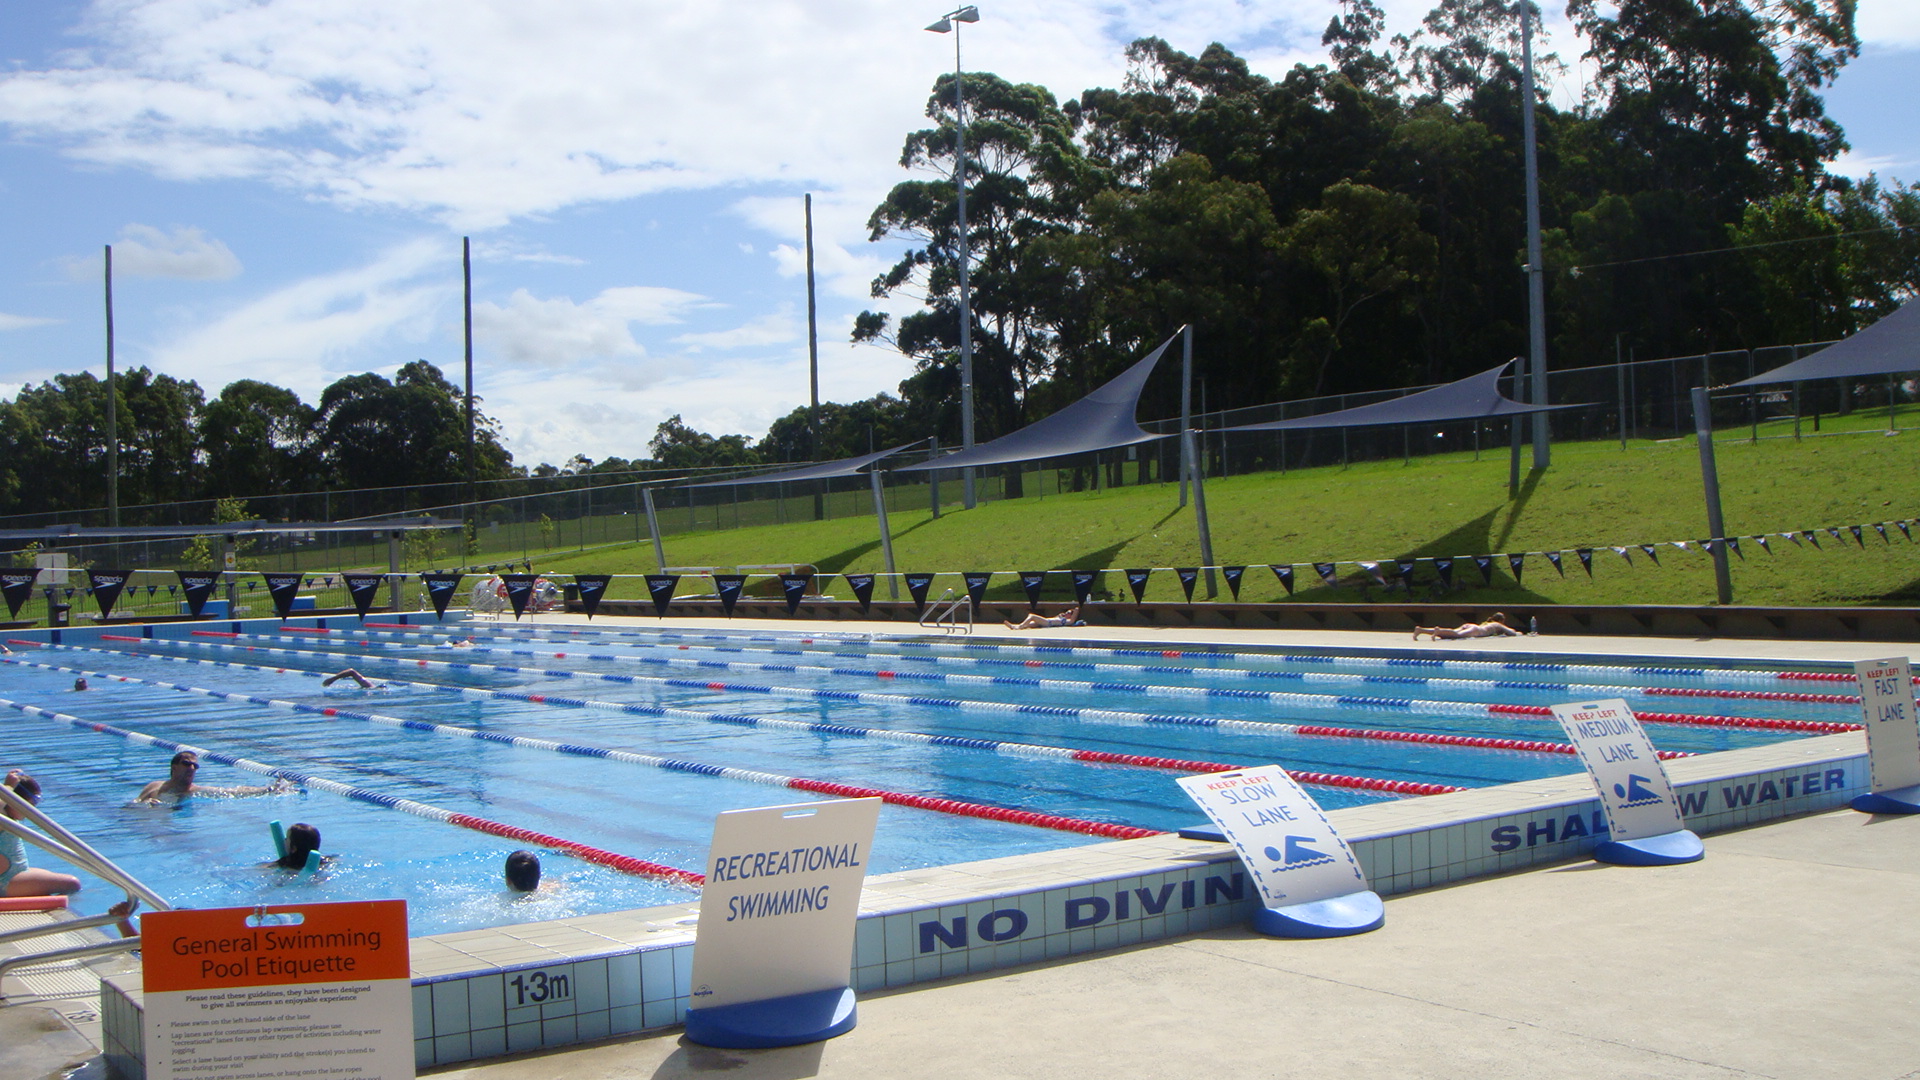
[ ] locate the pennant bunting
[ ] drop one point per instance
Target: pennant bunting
(1764, 546)
(1188, 575)
(917, 585)
(592, 588)
(1516, 561)
(1902, 526)
(1812, 537)
(1485, 563)
(362, 589)
(729, 586)
(862, 586)
(282, 587)
(1285, 573)
(1083, 585)
(1652, 553)
(1882, 530)
(1859, 535)
(1624, 553)
(795, 588)
(1444, 567)
(1372, 570)
(1586, 560)
(151, 589)
(105, 585)
(520, 592)
(440, 589)
(976, 585)
(659, 586)
(1032, 580)
(1326, 570)
(1733, 545)
(16, 586)
(1835, 533)
(1405, 566)
(1233, 575)
(1682, 544)
(1137, 581)
(1554, 558)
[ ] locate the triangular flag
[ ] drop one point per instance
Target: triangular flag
(862, 586)
(1137, 580)
(440, 589)
(1032, 580)
(1812, 537)
(1651, 553)
(1083, 585)
(1327, 573)
(198, 586)
(282, 588)
(917, 585)
(794, 586)
(520, 591)
(1485, 563)
(1859, 536)
(362, 589)
(976, 585)
(1444, 567)
(1188, 575)
(1233, 575)
(151, 589)
(1624, 553)
(1554, 558)
(1586, 559)
(1733, 545)
(17, 586)
(592, 589)
(1877, 527)
(1682, 544)
(729, 586)
(105, 587)
(659, 586)
(1764, 546)
(1405, 567)
(1515, 561)
(1373, 571)
(1902, 526)
(1285, 573)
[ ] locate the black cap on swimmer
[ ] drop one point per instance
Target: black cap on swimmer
(523, 871)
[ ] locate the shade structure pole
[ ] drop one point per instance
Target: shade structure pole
(393, 569)
(933, 477)
(466, 275)
(886, 536)
(813, 367)
(1200, 511)
(653, 527)
(113, 426)
(1710, 481)
(1186, 405)
(1536, 280)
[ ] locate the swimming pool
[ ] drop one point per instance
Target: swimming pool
(627, 743)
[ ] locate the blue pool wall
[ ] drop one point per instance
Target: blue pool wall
(630, 972)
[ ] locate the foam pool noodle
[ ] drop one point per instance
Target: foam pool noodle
(279, 839)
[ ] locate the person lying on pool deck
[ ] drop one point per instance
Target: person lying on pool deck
(1036, 621)
(16, 877)
(179, 783)
(1494, 627)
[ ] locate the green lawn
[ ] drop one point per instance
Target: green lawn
(1594, 495)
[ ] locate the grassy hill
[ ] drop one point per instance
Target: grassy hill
(1594, 495)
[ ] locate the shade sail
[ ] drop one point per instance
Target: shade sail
(824, 471)
(1476, 397)
(1102, 420)
(1888, 347)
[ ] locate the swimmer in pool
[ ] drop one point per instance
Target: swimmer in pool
(301, 839)
(523, 872)
(365, 683)
(16, 877)
(1494, 627)
(179, 784)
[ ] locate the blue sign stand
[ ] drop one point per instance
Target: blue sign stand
(1666, 849)
(782, 1021)
(1893, 741)
(1336, 916)
(1644, 824)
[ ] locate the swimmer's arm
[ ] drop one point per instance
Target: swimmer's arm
(150, 793)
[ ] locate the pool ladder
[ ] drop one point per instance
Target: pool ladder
(57, 840)
(948, 619)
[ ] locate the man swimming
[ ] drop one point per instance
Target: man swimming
(179, 783)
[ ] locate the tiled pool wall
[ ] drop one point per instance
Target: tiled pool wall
(476, 994)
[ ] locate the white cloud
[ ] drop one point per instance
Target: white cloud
(1857, 166)
(775, 329)
(297, 336)
(25, 322)
(1889, 22)
(558, 332)
(186, 253)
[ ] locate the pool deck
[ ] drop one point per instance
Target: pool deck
(1789, 951)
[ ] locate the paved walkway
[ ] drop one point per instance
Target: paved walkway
(1788, 952)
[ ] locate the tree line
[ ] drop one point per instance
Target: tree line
(1350, 226)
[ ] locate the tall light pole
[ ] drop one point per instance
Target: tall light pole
(1536, 281)
(949, 24)
(113, 426)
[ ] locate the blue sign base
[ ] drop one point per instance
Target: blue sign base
(782, 1021)
(1904, 800)
(1667, 849)
(1336, 916)
(1207, 831)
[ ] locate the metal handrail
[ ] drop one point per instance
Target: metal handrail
(951, 616)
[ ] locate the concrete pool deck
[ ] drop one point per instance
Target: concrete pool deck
(1757, 961)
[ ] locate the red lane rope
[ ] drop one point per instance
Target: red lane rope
(1825, 727)
(1755, 695)
(1482, 741)
(625, 863)
(965, 809)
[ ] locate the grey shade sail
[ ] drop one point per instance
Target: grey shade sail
(1476, 397)
(826, 470)
(1102, 420)
(1888, 347)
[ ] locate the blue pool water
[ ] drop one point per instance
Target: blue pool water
(607, 691)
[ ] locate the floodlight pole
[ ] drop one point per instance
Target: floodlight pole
(466, 276)
(950, 23)
(1536, 282)
(1186, 405)
(1710, 480)
(113, 427)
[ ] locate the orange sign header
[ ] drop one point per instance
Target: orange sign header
(221, 948)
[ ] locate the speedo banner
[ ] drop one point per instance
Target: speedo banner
(440, 589)
(16, 586)
(282, 588)
(363, 589)
(106, 586)
(592, 587)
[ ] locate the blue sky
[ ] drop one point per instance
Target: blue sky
(285, 183)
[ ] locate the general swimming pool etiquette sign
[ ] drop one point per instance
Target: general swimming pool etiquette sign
(313, 991)
(1286, 842)
(1634, 790)
(778, 908)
